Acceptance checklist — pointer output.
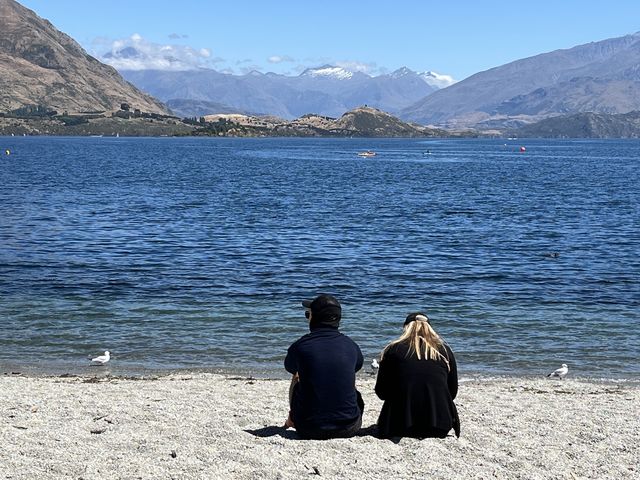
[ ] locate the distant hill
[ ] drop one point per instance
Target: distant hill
(584, 125)
(371, 122)
(42, 66)
(327, 90)
(601, 77)
(359, 122)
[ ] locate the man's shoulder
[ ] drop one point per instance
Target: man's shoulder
(302, 339)
(323, 336)
(338, 336)
(347, 338)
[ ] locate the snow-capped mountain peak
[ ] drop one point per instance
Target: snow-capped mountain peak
(328, 71)
(436, 79)
(401, 72)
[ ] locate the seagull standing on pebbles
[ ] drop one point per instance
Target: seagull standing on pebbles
(561, 372)
(374, 365)
(102, 359)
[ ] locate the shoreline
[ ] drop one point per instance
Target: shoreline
(267, 373)
(204, 425)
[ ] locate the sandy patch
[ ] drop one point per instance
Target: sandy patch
(194, 426)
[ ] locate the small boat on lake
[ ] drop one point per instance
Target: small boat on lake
(367, 153)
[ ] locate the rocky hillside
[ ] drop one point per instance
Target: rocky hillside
(42, 66)
(584, 125)
(601, 77)
(371, 122)
(359, 122)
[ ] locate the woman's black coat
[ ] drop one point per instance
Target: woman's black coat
(418, 394)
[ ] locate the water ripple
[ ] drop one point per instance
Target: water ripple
(196, 252)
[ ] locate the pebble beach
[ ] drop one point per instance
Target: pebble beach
(200, 425)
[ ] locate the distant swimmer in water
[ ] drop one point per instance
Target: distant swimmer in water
(7, 151)
(552, 255)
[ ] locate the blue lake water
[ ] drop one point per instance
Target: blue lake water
(189, 253)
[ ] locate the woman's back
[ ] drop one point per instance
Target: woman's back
(418, 393)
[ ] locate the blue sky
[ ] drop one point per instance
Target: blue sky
(457, 38)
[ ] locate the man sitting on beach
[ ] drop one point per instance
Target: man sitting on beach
(324, 402)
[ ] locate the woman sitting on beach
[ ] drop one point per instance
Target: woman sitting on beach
(418, 380)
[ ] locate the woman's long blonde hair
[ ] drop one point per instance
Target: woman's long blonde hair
(422, 339)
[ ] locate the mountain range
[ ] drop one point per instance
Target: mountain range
(595, 87)
(584, 125)
(42, 66)
(600, 77)
(326, 90)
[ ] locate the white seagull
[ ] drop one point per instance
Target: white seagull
(374, 364)
(102, 359)
(560, 372)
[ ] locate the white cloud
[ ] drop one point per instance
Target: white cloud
(355, 66)
(280, 59)
(136, 53)
(437, 80)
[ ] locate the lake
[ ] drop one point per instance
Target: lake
(196, 252)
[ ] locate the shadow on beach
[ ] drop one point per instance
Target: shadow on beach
(274, 430)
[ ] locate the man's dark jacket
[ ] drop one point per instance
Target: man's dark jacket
(326, 362)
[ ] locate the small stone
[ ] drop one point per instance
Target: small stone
(173, 454)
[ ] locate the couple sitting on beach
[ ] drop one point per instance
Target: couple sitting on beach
(417, 379)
